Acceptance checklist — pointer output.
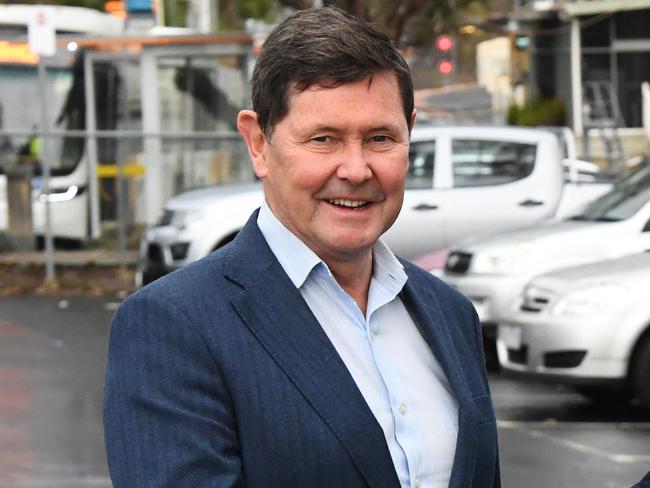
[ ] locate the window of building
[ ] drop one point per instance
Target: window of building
(633, 24)
(595, 31)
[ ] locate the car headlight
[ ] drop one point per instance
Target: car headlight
(505, 259)
(181, 218)
(589, 300)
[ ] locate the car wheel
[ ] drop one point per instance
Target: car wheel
(641, 371)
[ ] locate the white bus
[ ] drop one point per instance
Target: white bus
(20, 112)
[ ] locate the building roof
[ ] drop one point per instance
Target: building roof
(591, 7)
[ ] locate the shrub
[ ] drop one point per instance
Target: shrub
(544, 111)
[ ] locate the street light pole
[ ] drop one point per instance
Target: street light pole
(45, 180)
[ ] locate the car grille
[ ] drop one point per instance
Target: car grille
(155, 254)
(458, 262)
(165, 219)
(564, 359)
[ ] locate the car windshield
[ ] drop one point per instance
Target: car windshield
(622, 201)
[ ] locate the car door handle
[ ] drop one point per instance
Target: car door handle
(531, 203)
(425, 206)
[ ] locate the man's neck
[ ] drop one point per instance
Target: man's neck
(354, 277)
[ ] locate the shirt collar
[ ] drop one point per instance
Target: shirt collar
(298, 260)
(294, 256)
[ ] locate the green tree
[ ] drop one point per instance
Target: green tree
(414, 22)
(411, 21)
(233, 13)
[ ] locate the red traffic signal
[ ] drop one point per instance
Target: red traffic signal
(444, 43)
(445, 55)
(445, 67)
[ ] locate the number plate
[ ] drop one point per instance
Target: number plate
(510, 335)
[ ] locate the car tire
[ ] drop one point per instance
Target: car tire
(641, 372)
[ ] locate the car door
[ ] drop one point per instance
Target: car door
(419, 227)
(501, 184)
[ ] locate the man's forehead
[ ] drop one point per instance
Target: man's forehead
(296, 87)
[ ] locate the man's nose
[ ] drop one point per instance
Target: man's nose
(354, 166)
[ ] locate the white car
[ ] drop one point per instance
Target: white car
(461, 180)
(587, 326)
(492, 271)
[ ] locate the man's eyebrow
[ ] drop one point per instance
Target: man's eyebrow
(392, 128)
(384, 128)
(324, 128)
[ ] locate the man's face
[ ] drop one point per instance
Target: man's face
(334, 169)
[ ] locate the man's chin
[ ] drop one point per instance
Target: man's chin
(351, 247)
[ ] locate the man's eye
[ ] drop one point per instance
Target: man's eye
(380, 138)
(321, 139)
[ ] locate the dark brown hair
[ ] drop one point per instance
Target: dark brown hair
(326, 47)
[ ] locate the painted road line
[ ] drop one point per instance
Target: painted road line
(555, 424)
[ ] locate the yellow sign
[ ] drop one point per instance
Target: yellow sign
(112, 170)
(17, 53)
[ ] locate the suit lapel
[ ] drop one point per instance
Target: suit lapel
(275, 312)
(443, 339)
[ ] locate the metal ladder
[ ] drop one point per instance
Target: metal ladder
(602, 112)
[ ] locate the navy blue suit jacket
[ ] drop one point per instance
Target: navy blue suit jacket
(219, 375)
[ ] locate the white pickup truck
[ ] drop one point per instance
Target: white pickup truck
(462, 181)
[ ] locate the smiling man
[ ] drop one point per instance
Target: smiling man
(305, 354)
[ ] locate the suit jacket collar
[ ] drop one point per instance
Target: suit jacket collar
(275, 312)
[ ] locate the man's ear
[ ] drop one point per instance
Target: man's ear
(250, 130)
(412, 122)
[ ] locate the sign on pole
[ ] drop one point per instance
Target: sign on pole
(40, 32)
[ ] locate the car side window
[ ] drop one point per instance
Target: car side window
(486, 163)
(421, 164)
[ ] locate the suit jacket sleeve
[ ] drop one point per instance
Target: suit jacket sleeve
(496, 483)
(481, 355)
(162, 379)
(644, 483)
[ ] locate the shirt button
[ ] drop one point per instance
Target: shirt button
(402, 409)
(417, 482)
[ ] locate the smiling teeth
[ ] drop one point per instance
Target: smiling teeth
(349, 203)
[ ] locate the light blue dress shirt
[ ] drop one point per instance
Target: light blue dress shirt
(391, 364)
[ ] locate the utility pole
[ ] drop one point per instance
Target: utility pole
(203, 15)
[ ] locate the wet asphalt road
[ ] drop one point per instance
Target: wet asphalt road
(52, 360)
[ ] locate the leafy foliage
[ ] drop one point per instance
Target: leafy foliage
(414, 22)
(544, 111)
(411, 21)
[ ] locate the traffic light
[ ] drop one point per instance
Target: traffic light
(445, 55)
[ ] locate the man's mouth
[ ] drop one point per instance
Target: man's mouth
(353, 204)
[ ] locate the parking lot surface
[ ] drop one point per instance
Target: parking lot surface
(52, 360)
